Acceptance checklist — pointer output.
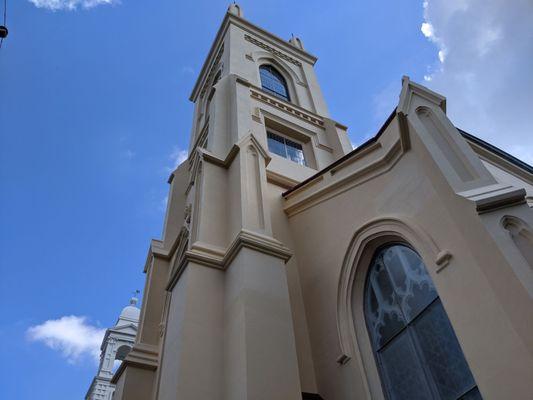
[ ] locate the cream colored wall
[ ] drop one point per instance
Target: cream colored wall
(281, 232)
(486, 302)
(134, 383)
(192, 353)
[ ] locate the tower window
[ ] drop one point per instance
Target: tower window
(417, 352)
(273, 82)
(286, 148)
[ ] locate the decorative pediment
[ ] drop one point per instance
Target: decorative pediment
(411, 90)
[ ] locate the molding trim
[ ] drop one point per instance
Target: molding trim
(214, 66)
(352, 334)
(367, 150)
(205, 255)
(353, 153)
(499, 161)
(280, 180)
(272, 50)
(142, 356)
(388, 226)
(258, 94)
(353, 179)
(211, 158)
(493, 197)
(410, 88)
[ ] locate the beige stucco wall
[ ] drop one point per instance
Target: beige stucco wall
(487, 304)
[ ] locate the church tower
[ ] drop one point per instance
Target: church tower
(116, 345)
(217, 317)
(293, 267)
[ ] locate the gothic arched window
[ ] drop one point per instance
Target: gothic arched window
(273, 82)
(415, 347)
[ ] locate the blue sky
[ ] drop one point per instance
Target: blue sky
(94, 112)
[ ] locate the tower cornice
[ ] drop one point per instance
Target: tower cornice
(250, 28)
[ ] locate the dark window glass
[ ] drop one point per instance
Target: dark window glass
(295, 152)
(285, 148)
(408, 381)
(442, 352)
(276, 144)
(273, 82)
(416, 349)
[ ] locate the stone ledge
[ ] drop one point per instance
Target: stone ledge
(142, 356)
(204, 255)
(493, 197)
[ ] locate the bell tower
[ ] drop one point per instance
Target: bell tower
(217, 320)
(116, 345)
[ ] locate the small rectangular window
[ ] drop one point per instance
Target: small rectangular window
(286, 148)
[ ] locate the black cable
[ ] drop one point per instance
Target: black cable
(5, 21)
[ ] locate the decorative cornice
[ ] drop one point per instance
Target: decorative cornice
(142, 356)
(363, 153)
(258, 94)
(272, 50)
(204, 255)
(493, 197)
(352, 179)
(280, 180)
(209, 157)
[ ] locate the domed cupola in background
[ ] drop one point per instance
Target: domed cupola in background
(116, 345)
(130, 314)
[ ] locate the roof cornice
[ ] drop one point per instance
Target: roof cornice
(253, 29)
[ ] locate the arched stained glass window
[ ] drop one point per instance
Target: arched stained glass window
(273, 82)
(416, 349)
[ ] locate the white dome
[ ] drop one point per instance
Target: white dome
(130, 314)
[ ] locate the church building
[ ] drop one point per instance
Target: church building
(292, 266)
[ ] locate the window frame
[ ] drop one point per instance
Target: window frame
(408, 329)
(305, 162)
(275, 71)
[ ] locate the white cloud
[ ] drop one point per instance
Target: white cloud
(71, 5)
(128, 153)
(385, 100)
(187, 69)
(70, 335)
(427, 30)
(163, 204)
(485, 53)
(177, 157)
